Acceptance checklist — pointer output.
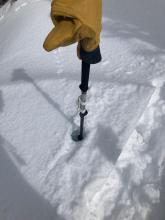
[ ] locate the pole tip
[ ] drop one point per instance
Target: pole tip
(76, 136)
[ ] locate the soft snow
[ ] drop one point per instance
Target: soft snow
(117, 172)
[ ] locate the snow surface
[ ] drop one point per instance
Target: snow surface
(118, 171)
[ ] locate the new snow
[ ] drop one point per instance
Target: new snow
(118, 171)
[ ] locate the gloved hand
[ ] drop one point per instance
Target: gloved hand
(63, 34)
(75, 21)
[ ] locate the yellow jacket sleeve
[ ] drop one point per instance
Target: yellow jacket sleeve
(75, 21)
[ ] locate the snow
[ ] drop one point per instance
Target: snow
(117, 172)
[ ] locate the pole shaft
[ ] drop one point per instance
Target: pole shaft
(81, 136)
(85, 76)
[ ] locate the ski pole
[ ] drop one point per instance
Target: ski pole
(87, 58)
(82, 99)
(79, 135)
